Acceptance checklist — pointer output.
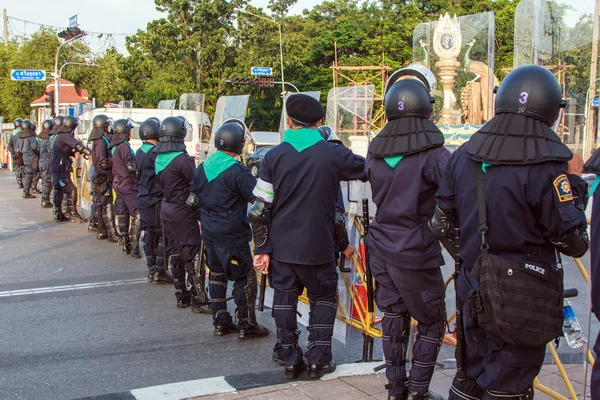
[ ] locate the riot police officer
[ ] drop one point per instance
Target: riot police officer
(404, 166)
(102, 178)
(28, 147)
(44, 163)
(293, 219)
(175, 170)
(149, 201)
(13, 149)
(64, 146)
(124, 169)
(220, 192)
(510, 192)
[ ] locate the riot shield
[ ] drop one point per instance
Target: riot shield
(166, 105)
(557, 34)
(282, 125)
(349, 113)
(191, 102)
(228, 107)
(460, 53)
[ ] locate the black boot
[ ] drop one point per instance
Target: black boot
(423, 396)
(253, 332)
(162, 278)
(222, 330)
(59, 216)
(28, 196)
(317, 371)
(72, 207)
(293, 371)
(47, 204)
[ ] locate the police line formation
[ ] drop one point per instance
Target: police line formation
(506, 204)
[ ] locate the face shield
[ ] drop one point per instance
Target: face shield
(240, 123)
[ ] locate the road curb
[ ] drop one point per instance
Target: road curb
(226, 384)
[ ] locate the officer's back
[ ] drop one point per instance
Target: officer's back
(224, 204)
(306, 185)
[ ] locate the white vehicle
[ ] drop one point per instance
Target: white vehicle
(195, 145)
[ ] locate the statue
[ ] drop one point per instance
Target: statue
(447, 42)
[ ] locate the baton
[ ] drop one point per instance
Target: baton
(263, 288)
(368, 276)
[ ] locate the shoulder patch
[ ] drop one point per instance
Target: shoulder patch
(563, 188)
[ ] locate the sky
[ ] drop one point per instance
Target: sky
(118, 16)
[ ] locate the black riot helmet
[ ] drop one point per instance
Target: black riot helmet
(122, 127)
(149, 129)
(28, 124)
(530, 90)
(58, 120)
(70, 122)
(102, 121)
(173, 127)
(408, 98)
(18, 123)
(230, 137)
(48, 124)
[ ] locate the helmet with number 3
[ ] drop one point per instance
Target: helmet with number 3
(408, 98)
(530, 90)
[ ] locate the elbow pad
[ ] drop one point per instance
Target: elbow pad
(442, 227)
(194, 204)
(131, 166)
(260, 216)
(106, 163)
(574, 244)
(80, 148)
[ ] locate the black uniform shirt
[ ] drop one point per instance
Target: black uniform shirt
(175, 179)
(63, 148)
(224, 205)
(526, 206)
(405, 200)
(123, 179)
(150, 191)
(304, 188)
(101, 155)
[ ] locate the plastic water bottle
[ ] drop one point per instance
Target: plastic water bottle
(571, 328)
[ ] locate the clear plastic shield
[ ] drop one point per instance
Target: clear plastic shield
(349, 114)
(191, 102)
(228, 107)
(166, 105)
(558, 35)
(460, 53)
(282, 126)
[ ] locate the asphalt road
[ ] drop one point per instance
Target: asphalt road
(102, 329)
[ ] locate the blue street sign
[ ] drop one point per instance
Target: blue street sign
(595, 102)
(261, 71)
(27, 75)
(73, 21)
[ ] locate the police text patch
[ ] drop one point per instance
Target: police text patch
(563, 188)
(535, 270)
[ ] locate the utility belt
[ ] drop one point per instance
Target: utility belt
(520, 302)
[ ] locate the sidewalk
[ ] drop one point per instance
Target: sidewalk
(372, 386)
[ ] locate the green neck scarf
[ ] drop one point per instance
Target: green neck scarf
(302, 139)
(16, 132)
(484, 167)
(216, 163)
(112, 151)
(164, 159)
(595, 185)
(393, 161)
(146, 147)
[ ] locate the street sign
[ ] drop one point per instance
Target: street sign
(27, 75)
(261, 71)
(595, 102)
(73, 21)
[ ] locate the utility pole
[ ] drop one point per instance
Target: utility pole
(5, 19)
(590, 133)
